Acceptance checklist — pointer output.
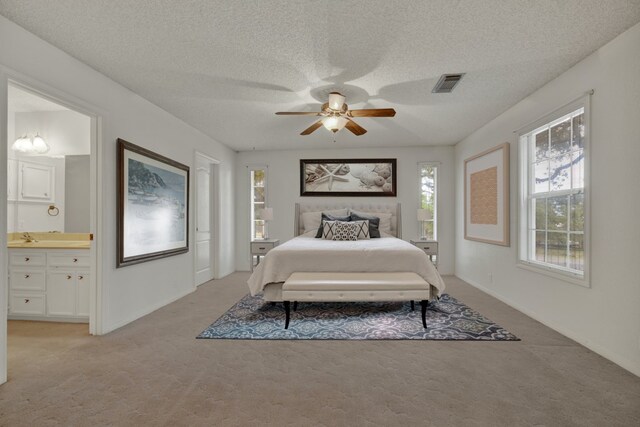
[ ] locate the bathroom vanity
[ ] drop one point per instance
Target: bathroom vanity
(49, 278)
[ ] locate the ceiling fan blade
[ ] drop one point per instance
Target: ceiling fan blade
(373, 112)
(355, 128)
(297, 113)
(312, 128)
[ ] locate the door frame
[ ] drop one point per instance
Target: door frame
(97, 117)
(214, 211)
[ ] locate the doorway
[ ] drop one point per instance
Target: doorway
(52, 217)
(206, 204)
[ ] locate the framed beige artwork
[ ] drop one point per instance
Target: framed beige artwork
(486, 196)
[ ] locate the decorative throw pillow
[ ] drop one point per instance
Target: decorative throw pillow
(385, 219)
(345, 231)
(373, 221)
(363, 229)
(312, 220)
(328, 229)
(330, 217)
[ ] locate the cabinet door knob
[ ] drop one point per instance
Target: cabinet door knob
(26, 259)
(262, 249)
(68, 277)
(26, 276)
(80, 277)
(26, 300)
(75, 260)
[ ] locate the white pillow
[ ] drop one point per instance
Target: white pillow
(343, 230)
(311, 220)
(385, 219)
(329, 228)
(362, 229)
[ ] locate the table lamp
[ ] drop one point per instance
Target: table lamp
(423, 215)
(266, 215)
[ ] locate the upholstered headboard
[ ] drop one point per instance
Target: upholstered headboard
(393, 209)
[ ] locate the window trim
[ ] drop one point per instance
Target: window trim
(250, 169)
(437, 166)
(522, 213)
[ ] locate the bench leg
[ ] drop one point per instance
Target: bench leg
(413, 306)
(287, 310)
(424, 303)
(295, 306)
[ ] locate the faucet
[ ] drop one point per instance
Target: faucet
(27, 237)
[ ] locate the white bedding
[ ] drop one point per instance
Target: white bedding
(306, 253)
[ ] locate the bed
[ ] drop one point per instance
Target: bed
(305, 253)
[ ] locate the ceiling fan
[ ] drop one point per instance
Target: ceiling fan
(336, 115)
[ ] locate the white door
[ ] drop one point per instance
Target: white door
(204, 255)
(84, 289)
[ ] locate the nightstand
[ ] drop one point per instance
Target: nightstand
(430, 247)
(261, 247)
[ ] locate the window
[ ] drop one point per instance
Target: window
(428, 175)
(258, 198)
(553, 194)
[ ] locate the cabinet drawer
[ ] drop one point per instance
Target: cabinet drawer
(26, 303)
(66, 260)
(28, 259)
(259, 248)
(27, 280)
(430, 248)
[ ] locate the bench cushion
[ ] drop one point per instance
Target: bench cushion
(325, 286)
(354, 281)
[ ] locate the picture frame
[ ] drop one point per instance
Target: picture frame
(348, 177)
(152, 205)
(486, 196)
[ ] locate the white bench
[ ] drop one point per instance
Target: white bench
(354, 287)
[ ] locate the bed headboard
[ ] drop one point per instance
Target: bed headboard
(392, 208)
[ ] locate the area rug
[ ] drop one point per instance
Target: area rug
(448, 319)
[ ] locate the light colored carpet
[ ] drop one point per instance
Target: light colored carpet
(154, 372)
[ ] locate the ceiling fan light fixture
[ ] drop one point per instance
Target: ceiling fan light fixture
(336, 101)
(334, 123)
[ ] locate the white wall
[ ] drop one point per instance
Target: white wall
(134, 291)
(605, 317)
(284, 191)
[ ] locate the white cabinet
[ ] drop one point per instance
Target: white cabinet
(82, 299)
(61, 294)
(12, 180)
(49, 284)
(36, 182)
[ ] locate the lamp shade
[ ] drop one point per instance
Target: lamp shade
(334, 123)
(39, 145)
(424, 215)
(336, 101)
(266, 214)
(22, 145)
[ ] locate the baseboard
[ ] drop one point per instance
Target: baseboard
(61, 319)
(150, 310)
(602, 351)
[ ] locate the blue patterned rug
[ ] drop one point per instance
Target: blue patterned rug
(448, 319)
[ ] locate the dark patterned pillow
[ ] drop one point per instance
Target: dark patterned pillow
(363, 229)
(374, 223)
(345, 231)
(329, 217)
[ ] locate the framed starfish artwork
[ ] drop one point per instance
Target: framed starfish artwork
(348, 177)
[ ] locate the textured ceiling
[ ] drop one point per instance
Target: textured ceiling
(226, 67)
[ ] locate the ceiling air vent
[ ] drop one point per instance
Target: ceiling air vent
(447, 82)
